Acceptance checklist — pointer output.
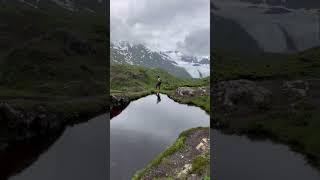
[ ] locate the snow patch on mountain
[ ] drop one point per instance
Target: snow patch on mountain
(123, 52)
(196, 66)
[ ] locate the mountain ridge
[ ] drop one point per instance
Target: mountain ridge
(174, 62)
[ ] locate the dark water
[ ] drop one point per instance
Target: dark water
(79, 153)
(145, 128)
(237, 157)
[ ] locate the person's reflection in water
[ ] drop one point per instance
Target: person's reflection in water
(158, 97)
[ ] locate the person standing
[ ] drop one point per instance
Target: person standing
(158, 83)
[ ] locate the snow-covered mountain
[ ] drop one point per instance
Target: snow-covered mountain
(196, 66)
(172, 61)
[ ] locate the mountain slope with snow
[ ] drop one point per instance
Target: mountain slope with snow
(196, 66)
(173, 62)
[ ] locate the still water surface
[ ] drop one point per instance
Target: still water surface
(237, 157)
(145, 128)
(79, 153)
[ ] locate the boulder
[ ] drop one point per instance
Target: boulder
(296, 88)
(183, 91)
(203, 90)
(7, 113)
(20, 125)
(234, 93)
(118, 103)
(193, 91)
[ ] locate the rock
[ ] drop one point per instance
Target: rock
(183, 91)
(185, 170)
(118, 103)
(234, 93)
(40, 109)
(297, 88)
(203, 90)
(193, 91)
(204, 145)
(22, 125)
(7, 113)
(194, 177)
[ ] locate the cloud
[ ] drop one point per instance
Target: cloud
(159, 24)
(196, 43)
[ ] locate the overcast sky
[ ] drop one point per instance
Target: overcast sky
(163, 24)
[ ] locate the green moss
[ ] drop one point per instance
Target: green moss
(201, 164)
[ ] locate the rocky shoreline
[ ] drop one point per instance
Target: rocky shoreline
(42, 120)
(284, 111)
(188, 158)
(184, 95)
(22, 125)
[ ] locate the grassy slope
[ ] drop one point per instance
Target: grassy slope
(37, 70)
(229, 65)
(139, 81)
(299, 128)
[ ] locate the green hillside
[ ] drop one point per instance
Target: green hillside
(136, 78)
(231, 65)
(51, 53)
(54, 58)
(137, 81)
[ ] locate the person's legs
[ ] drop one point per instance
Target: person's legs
(158, 85)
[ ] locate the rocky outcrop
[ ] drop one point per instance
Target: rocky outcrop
(182, 91)
(296, 88)
(8, 113)
(232, 94)
(18, 125)
(192, 91)
(118, 103)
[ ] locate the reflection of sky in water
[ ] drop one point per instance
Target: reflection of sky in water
(80, 153)
(237, 156)
(145, 128)
(302, 25)
(162, 120)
